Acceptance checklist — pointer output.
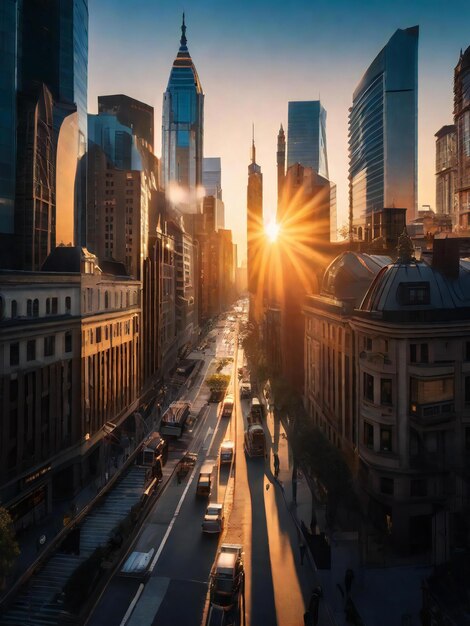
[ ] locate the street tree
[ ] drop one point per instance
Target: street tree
(9, 549)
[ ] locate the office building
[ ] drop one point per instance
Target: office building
(306, 136)
(281, 165)
(255, 236)
(8, 70)
(131, 113)
(70, 362)
(383, 134)
(462, 125)
(446, 170)
(212, 177)
(183, 132)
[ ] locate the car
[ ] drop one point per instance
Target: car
(227, 576)
(214, 518)
(227, 451)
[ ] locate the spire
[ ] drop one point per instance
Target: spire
(183, 40)
(253, 149)
(405, 247)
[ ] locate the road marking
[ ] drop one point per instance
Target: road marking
(173, 519)
(131, 606)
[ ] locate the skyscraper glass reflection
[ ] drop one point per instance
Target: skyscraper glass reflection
(306, 136)
(383, 134)
(8, 60)
(182, 131)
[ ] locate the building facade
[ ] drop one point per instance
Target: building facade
(183, 132)
(387, 381)
(383, 134)
(306, 136)
(69, 364)
(255, 236)
(446, 169)
(131, 113)
(212, 177)
(281, 165)
(462, 124)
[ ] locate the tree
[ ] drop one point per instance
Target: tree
(218, 382)
(9, 549)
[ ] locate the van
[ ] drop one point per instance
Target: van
(227, 451)
(204, 482)
(227, 574)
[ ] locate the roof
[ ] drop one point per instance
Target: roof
(67, 259)
(349, 275)
(417, 291)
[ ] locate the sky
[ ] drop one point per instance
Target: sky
(253, 57)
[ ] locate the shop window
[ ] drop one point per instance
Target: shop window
(385, 439)
(385, 391)
(386, 486)
(368, 435)
(368, 387)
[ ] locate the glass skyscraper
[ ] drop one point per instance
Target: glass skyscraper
(383, 134)
(306, 136)
(8, 72)
(212, 177)
(182, 131)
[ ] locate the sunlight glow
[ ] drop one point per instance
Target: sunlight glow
(272, 231)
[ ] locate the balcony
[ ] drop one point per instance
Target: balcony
(432, 413)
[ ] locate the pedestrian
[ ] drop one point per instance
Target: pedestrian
(348, 580)
(303, 549)
(314, 604)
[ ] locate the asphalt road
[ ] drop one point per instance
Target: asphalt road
(277, 586)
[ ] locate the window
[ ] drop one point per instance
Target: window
(386, 486)
(385, 391)
(368, 387)
(419, 353)
(467, 388)
(68, 341)
(13, 390)
(31, 350)
(428, 391)
(14, 353)
(418, 488)
(467, 438)
(68, 304)
(385, 439)
(368, 343)
(49, 345)
(29, 308)
(106, 299)
(14, 309)
(410, 294)
(368, 435)
(35, 307)
(98, 334)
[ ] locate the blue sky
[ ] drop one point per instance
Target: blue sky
(253, 57)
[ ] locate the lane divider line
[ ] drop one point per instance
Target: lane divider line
(131, 606)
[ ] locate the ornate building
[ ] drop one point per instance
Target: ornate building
(462, 124)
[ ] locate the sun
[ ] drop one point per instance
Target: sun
(272, 231)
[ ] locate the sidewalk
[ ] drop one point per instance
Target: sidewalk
(382, 596)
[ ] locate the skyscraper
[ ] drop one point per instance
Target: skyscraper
(8, 71)
(130, 112)
(182, 131)
(255, 237)
(446, 168)
(306, 136)
(462, 123)
(383, 134)
(281, 165)
(212, 177)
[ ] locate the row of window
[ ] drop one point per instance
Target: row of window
(386, 389)
(418, 487)
(100, 333)
(418, 352)
(33, 307)
(49, 348)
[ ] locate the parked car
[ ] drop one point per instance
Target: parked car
(214, 518)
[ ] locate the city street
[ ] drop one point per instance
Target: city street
(260, 519)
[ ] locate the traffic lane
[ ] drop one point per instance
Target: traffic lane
(113, 604)
(182, 604)
(261, 578)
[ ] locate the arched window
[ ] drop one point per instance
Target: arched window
(359, 233)
(14, 309)
(29, 308)
(106, 299)
(68, 304)
(36, 308)
(128, 298)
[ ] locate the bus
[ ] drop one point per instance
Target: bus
(256, 410)
(227, 408)
(174, 419)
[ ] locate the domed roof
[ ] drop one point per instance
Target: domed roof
(350, 274)
(414, 291)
